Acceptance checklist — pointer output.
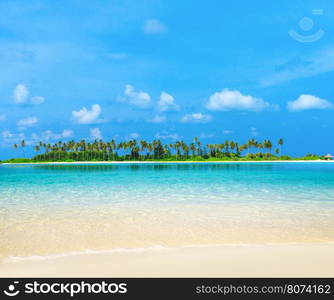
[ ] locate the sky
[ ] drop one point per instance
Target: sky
(171, 70)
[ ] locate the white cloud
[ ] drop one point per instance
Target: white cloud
(154, 26)
(2, 117)
(86, 116)
(157, 119)
(20, 94)
(196, 118)
(166, 102)
(305, 102)
(10, 138)
(134, 135)
(234, 100)
(307, 66)
(67, 133)
(254, 131)
(49, 135)
(204, 135)
(140, 99)
(95, 133)
(27, 122)
(227, 131)
(37, 100)
(166, 135)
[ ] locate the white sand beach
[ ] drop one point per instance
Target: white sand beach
(292, 260)
(240, 222)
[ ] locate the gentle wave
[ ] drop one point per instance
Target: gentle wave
(12, 259)
(16, 259)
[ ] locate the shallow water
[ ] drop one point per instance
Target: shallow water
(54, 209)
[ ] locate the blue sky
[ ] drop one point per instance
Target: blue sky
(167, 69)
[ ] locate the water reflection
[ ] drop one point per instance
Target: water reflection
(155, 167)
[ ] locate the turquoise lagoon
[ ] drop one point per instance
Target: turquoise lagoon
(72, 208)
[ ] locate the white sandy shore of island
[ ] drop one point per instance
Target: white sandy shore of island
(170, 162)
(289, 260)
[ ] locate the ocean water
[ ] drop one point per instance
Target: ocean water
(55, 210)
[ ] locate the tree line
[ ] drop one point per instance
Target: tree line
(99, 150)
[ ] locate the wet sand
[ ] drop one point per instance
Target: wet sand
(290, 260)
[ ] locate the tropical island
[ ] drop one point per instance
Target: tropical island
(133, 150)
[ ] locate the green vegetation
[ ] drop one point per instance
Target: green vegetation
(142, 150)
(18, 160)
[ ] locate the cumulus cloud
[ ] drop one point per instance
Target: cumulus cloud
(254, 131)
(196, 118)
(27, 122)
(86, 116)
(37, 100)
(21, 96)
(45, 136)
(95, 133)
(305, 102)
(67, 133)
(9, 138)
(234, 100)
(204, 135)
(157, 119)
(167, 135)
(134, 135)
(166, 102)
(49, 135)
(139, 99)
(226, 131)
(154, 26)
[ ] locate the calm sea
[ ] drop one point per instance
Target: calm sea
(62, 209)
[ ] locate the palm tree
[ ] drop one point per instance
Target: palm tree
(185, 150)
(113, 147)
(280, 144)
(267, 144)
(237, 149)
(143, 145)
(232, 145)
(243, 147)
(198, 143)
(193, 148)
(270, 145)
(37, 148)
(100, 150)
(166, 149)
(149, 149)
(23, 144)
(260, 146)
(177, 148)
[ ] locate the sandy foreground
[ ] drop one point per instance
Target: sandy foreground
(304, 260)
